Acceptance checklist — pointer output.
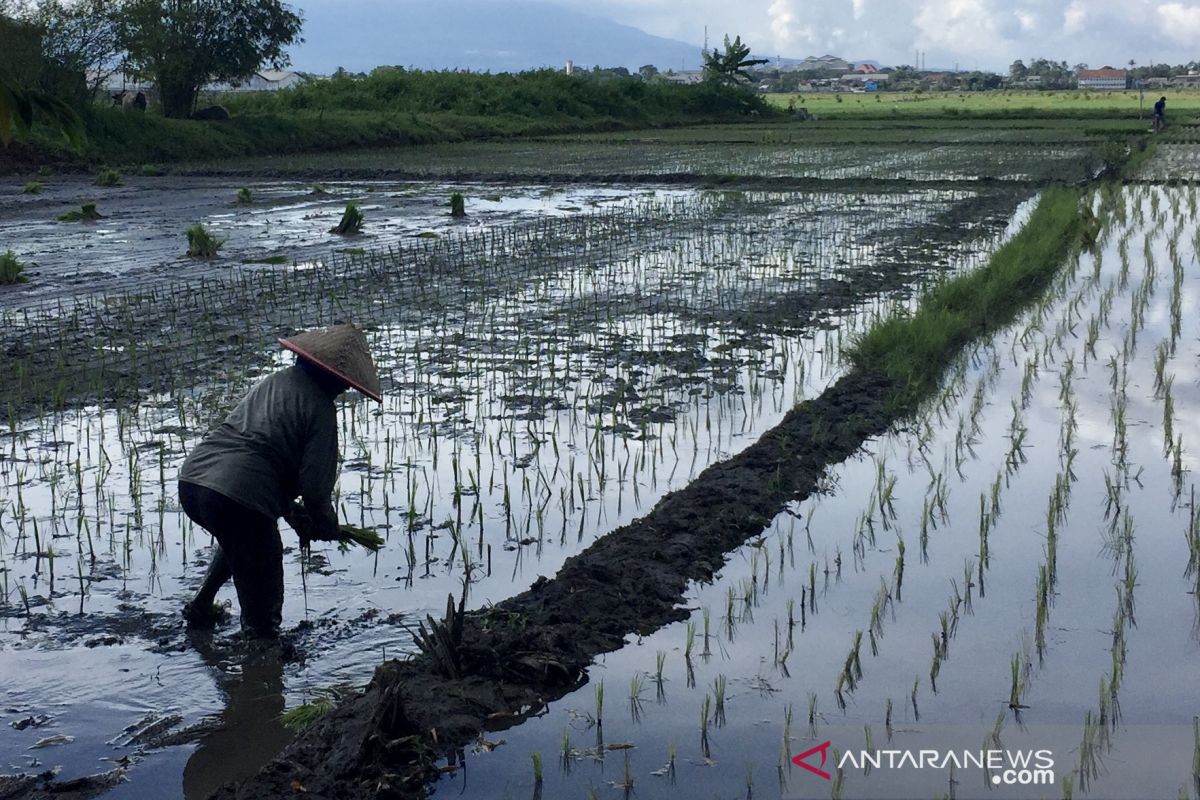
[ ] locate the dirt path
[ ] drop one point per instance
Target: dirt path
(520, 654)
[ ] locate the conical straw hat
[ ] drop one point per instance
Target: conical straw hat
(341, 350)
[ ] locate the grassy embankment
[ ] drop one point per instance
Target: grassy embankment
(914, 349)
(393, 107)
(1072, 104)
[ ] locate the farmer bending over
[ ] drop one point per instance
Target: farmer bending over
(280, 443)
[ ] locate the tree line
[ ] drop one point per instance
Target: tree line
(67, 49)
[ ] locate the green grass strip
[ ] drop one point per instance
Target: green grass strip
(913, 349)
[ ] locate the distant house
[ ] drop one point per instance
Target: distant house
(118, 81)
(867, 68)
(867, 80)
(1189, 81)
(267, 80)
(826, 63)
(688, 77)
(1105, 79)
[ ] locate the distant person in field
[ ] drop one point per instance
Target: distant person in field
(279, 443)
(1160, 114)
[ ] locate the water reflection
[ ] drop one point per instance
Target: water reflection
(251, 733)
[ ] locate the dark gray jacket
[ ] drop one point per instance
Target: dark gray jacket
(280, 443)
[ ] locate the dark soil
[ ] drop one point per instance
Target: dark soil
(511, 659)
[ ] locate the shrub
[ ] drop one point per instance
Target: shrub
(11, 269)
(458, 205)
(201, 243)
(352, 221)
(108, 177)
(33, 187)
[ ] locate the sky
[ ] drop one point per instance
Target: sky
(974, 34)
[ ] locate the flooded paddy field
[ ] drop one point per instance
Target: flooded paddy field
(835, 150)
(1016, 569)
(552, 368)
(546, 380)
(141, 238)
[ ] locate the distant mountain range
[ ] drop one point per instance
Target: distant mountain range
(478, 35)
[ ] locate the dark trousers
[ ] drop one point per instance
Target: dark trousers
(248, 550)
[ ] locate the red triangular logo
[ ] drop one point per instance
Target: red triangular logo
(800, 762)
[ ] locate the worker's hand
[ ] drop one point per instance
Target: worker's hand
(297, 517)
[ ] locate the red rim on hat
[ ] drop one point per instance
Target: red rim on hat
(340, 350)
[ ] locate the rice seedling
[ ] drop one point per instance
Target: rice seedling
(12, 271)
(719, 685)
(202, 243)
(458, 205)
(351, 222)
(636, 685)
(536, 758)
(566, 753)
(705, 709)
(108, 177)
(1018, 682)
(32, 187)
(245, 197)
(599, 694)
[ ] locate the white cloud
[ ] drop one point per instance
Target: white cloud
(1074, 17)
(1180, 22)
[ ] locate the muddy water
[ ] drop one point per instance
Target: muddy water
(1067, 397)
(141, 239)
(522, 421)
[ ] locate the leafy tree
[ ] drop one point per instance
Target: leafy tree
(1018, 71)
(730, 66)
(184, 44)
(80, 38)
(647, 71)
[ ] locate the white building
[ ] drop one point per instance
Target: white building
(1107, 79)
(267, 80)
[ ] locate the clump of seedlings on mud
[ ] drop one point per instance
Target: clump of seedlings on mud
(86, 213)
(245, 197)
(11, 269)
(458, 205)
(351, 222)
(202, 243)
(108, 177)
(32, 187)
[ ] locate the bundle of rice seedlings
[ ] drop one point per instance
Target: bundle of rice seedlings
(86, 213)
(11, 269)
(458, 205)
(108, 177)
(201, 243)
(244, 196)
(33, 187)
(298, 718)
(352, 221)
(362, 537)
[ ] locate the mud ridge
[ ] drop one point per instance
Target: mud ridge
(520, 654)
